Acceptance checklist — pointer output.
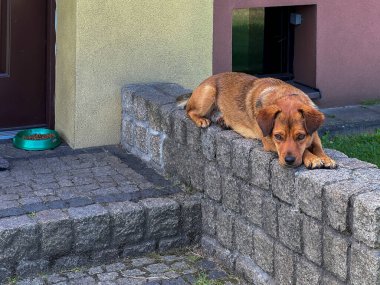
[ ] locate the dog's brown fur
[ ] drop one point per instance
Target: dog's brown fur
(282, 116)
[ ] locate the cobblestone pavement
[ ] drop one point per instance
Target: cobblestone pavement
(64, 178)
(186, 267)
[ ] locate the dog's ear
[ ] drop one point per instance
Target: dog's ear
(313, 118)
(265, 118)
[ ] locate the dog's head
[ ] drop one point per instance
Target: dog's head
(291, 127)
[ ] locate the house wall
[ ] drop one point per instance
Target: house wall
(101, 46)
(347, 45)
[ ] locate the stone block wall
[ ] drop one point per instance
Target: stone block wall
(66, 238)
(269, 224)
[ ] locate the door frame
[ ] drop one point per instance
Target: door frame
(50, 63)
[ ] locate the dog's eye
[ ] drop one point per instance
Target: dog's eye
(300, 137)
(278, 137)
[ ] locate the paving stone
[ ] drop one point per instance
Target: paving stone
(157, 268)
(5, 273)
(138, 262)
(162, 217)
(283, 182)
(105, 255)
(213, 182)
(55, 278)
(91, 227)
(115, 267)
(179, 126)
(251, 272)
(209, 216)
(95, 270)
(4, 164)
(107, 276)
(69, 262)
(132, 272)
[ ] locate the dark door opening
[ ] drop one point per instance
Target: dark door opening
(26, 63)
(263, 42)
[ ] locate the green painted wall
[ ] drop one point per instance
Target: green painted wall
(118, 42)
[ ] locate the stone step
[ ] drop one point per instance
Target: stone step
(66, 208)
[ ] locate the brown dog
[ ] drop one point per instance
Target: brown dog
(282, 116)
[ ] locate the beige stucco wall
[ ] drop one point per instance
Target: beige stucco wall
(118, 42)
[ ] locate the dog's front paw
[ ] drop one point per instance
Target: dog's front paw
(328, 162)
(313, 162)
(202, 122)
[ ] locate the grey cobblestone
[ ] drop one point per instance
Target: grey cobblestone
(312, 240)
(180, 267)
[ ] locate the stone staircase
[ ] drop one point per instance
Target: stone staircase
(64, 209)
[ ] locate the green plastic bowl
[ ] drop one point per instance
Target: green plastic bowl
(20, 140)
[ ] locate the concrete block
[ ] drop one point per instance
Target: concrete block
(91, 226)
(309, 185)
(27, 268)
(260, 167)
(290, 224)
(213, 182)
(179, 126)
(231, 193)
(162, 216)
(365, 265)
(141, 138)
(338, 198)
(127, 222)
(208, 141)
(139, 249)
(283, 182)
(269, 214)
(312, 239)
(264, 251)
(193, 135)
(284, 264)
(335, 250)
(366, 218)
(244, 237)
(224, 227)
(307, 273)
(223, 147)
(241, 149)
(56, 232)
(247, 268)
(19, 239)
(251, 203)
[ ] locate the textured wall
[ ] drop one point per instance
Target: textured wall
(270, 224)
(65, 85)
(119, 41)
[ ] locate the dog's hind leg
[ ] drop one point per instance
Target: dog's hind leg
(200, 104)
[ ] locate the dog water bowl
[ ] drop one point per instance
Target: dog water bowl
(37, 139)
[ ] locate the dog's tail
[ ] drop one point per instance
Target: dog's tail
(182, 100)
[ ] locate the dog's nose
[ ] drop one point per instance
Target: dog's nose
(290, 159)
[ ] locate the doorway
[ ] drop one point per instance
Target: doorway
(27, 39)
(277, 42)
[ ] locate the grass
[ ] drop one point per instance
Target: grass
(362, 146)
(370, 102)
(204, 280)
